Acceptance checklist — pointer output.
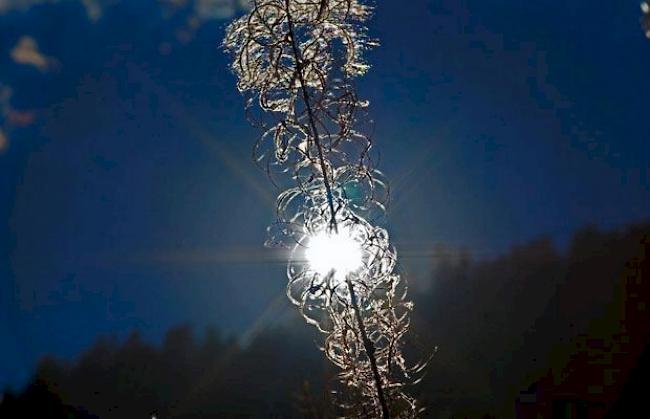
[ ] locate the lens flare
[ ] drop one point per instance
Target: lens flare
(334, 251)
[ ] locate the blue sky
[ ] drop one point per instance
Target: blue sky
(128, 198)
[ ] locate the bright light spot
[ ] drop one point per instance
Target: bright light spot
(337, 252)
(645, 7)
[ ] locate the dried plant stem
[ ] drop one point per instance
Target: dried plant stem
(367, 343)
(370, 351)
(297, 58)
(310, 114)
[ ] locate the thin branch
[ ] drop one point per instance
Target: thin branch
(310, 113)
(370, 351)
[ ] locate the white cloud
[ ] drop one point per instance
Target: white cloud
(27, 52)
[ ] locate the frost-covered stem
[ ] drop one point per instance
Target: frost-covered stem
(370, 351)
(310, 114)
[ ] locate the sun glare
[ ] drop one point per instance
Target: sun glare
(337, 252)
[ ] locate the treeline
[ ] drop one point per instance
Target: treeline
(212, 377)
(499, 326)
(502, 324)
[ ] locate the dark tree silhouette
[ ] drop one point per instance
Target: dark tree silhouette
(506, 328)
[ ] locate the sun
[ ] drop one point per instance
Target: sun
(334, 251)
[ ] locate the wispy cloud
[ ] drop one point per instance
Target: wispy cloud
(198, 13)
(19, 118)
(645, 7)
(193, 15)
(7, 6)
(209, 9)
(93, 7)
(4, 142)
(20, 5)
(11, 118)
(27, 52)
